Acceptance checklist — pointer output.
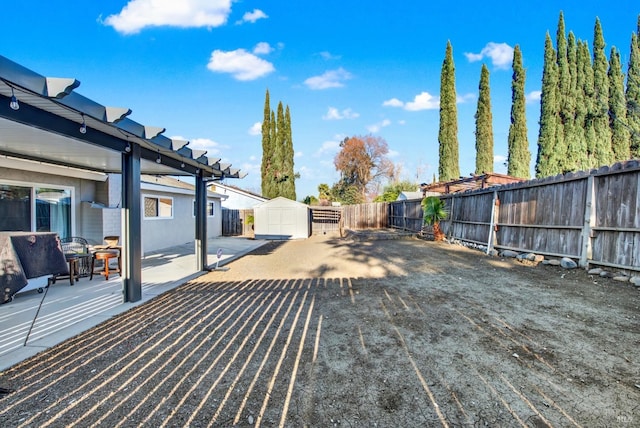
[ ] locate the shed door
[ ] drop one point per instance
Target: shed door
(281, 221)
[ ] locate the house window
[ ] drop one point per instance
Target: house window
(211, 209)
(27, 208)
(157, 207)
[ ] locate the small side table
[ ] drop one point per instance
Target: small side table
(74, 272)
(105, 256)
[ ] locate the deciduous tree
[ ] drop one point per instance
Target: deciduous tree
(362, 161)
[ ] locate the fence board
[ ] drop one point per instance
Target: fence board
(236, 222)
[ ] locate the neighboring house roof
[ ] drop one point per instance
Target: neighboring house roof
(403, 196)
(163, 180)
(237, 198)
(220, 188)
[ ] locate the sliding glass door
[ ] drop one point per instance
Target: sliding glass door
(35, 209)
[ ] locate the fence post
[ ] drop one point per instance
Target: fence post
(491, 238)
(586, 252)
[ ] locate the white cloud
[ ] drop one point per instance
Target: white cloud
(335, 114)
(534, 96)
(376, 127)
(330, 79)
(393, 102)
(256, 129)
(262, 48)
(330, 147)
(298, 155)
(501, 55)
(423, 101)
(461, 99)
(253, 16)
(329, 56)
(500, 164)
(241, 64)
(212, 147)
(139, 14)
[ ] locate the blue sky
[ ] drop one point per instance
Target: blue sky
(200, 68)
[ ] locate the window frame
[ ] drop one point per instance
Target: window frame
(210, 204)
(33, 197)
(158, 198)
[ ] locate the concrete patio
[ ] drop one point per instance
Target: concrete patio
(68, 310)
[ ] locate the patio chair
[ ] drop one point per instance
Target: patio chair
(76, 252)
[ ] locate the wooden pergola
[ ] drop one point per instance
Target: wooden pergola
(469, 183)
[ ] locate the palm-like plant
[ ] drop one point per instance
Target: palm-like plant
(433, 211)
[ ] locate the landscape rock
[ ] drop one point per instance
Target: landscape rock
(508, 253)
(635, 280)
(606, 274)
(621, 278)
(554, 262)
(595, 271)
(567, 263)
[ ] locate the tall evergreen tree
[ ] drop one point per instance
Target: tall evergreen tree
(577, 146)
(265, 166)
(565, 112)
(618, 109)
(575, 159)
(449, 167)
(633, 93)
(603, 153)
(289, 186)
(588, 91)
(278, 158)
(272, 187)
(546, 162)
(519, 157)
(484, 126)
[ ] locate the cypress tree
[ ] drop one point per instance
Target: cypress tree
(278, 158)
(449, 167)
(272, 190)
(577, 149)
(265, 166)
(618, 109)
(633, 93)
(589, 98)
(603, 153)
(519, 156)
(289, 186)
(575, 159)
(484, 126)
(546, 164)
(564, 98)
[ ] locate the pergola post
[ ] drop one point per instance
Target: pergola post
(131, 257)
(201, 224)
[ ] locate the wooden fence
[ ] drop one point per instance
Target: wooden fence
(406, 215)
(589, 216)
(326, 220)
(237, 222)
(374, 215)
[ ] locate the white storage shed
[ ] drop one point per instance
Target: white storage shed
(280, 219)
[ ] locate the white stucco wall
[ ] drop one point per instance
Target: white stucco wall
(160, 233)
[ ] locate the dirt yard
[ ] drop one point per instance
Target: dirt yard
(334, 332)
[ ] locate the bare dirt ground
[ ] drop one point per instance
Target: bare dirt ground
(334, 332)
